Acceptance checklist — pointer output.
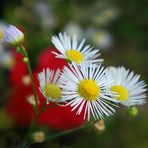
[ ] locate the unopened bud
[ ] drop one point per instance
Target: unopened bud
(38, 137)
(99, 126)
(26, 80)
(31, 100)
(13, 36)
(25, 60)
(133, 111)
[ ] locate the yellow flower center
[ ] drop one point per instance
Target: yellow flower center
(89, 89)
(74, 55)
(122, 92)
(1, 34)
(52, 91)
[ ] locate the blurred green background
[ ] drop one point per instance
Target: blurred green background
(118, 28)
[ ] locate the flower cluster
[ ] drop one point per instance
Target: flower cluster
(19, 107)
(85, 85)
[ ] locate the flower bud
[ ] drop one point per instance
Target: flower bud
(38, 137)
(25, 60)
(99, 126)
(133, 111)
(31, 100)
(13, 36)
(26, 80)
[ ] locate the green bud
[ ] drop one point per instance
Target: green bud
(25, 60)
(133, 111)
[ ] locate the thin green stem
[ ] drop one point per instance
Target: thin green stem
(22, 50)
(33, 84)
(63, 133)
(69, 131)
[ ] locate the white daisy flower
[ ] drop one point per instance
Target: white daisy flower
(73, 51)
(49, 81)
(13, 36)
(85, 87)
(131, 91)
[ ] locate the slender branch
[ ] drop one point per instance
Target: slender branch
(63, 133)
(22, 50)
(33, 84)
(70, 131)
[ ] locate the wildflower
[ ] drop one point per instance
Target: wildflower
(49, 80)
(19, 106)
(55, 116)
(13, 36)
(45, 14)
(130, 90)
(86, 88)
(74, 28)
(74, 52)
(100, 38)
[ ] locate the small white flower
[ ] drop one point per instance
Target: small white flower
(101, 38)
(76, 52)
(85, 87)
(45, 14)
(131, 91)
(49, 81)
(73, 28)
(13, 36)
(6, 58)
